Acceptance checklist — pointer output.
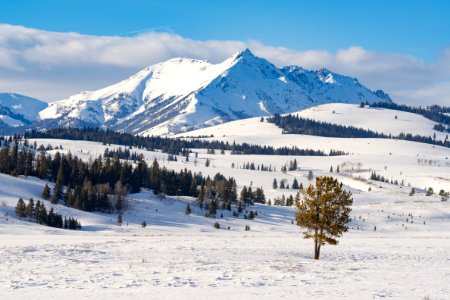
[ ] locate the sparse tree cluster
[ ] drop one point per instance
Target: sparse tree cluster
(38, 213)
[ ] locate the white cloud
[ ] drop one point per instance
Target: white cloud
(52, 65)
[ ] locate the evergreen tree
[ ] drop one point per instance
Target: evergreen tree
(201, 196)
(259, 196)
(20, 208)
(295, 185)
(244, 194)
(275, 184)
(155, 173)
(46, 192)
(188, 210)
(324, 212)
(58, 188)
(29, 210)
(42, 217)
(310, 175)
(37, 208)
(212, 209)
(290, 201)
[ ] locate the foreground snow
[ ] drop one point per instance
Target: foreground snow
(184, 256)
(179, 256)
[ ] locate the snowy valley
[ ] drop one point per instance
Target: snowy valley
(176, 253)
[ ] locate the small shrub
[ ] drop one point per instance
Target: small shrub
(188, 210)
(247, 228)
(143, 224)
(217, 225)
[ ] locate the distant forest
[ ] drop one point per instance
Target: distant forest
(169, 145)
(297, 125)
(435, 113)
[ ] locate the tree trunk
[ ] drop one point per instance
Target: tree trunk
(316, 249)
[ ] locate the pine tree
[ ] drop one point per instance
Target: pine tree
(42, 217)
(188, 210)
(244, 194)
(324, 212)
(46, 192)
(295, 185)
(119, 218)
(212, 209)
(20, 209)
(310, 175)
(201, 196)
(36, 211)
(275, 184)
(155, 173)
(29, 210)
(259, 196)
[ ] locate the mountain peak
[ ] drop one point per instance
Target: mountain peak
(183, 94)
(246, 53)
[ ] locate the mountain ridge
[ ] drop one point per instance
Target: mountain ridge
(18, 110)
(183, 94)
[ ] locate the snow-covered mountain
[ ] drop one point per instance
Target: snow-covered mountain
(184, 94)
(18, 110)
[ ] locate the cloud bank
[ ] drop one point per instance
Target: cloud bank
(53, 65)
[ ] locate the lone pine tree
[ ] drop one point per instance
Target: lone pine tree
(20, 208)
(324, 212)
(46, 192)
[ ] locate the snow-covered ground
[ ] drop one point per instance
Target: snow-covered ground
(184, 256)
(375, 119)
(179, 256)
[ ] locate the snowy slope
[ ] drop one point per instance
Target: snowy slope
(376, 119)
(183, 94)
(17, 110)
(178, 256)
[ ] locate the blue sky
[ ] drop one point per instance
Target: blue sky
(53, 49)
(419, 28)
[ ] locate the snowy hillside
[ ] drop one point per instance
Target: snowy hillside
(183, 94)
(17, 110)
(178, 255)
(379, 120)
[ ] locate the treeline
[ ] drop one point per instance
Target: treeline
(100, 184)
(255, 167)
(122, 154)
(297, 125)
(168, 145)
(378, 177)
(441, 128)
(38, 213)
(434, 112)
